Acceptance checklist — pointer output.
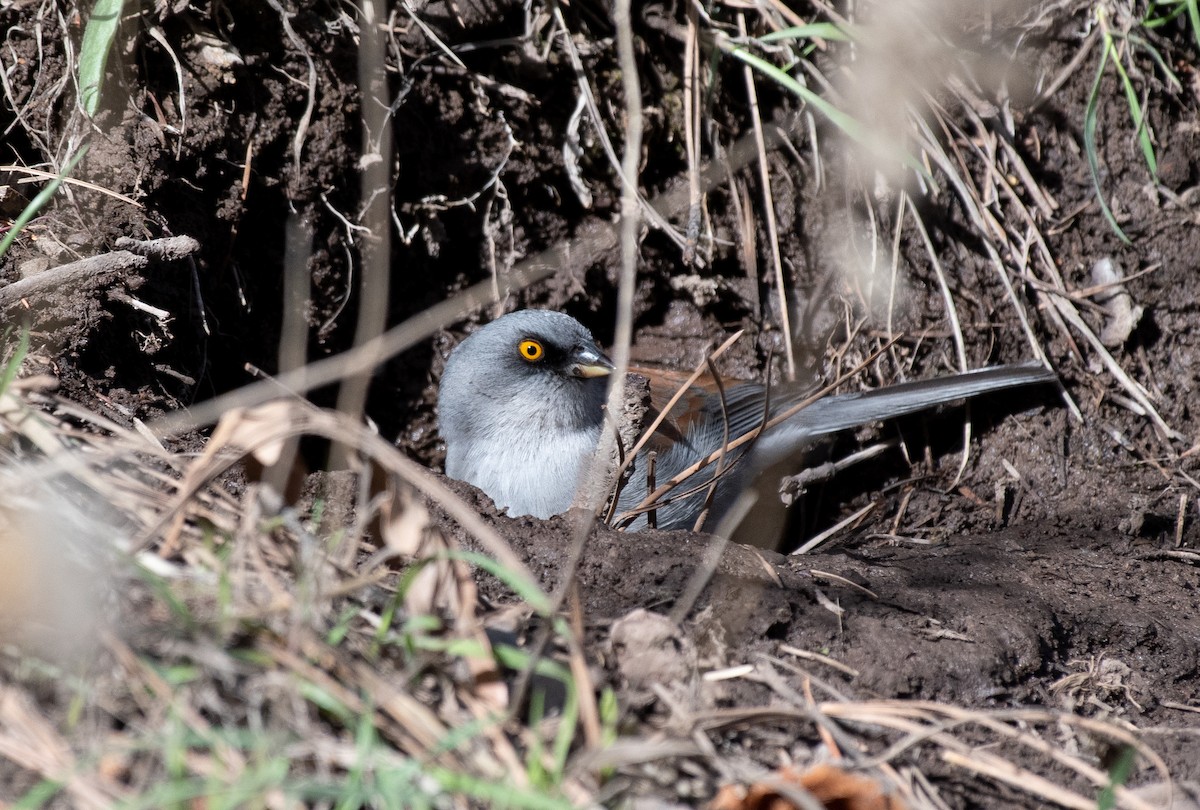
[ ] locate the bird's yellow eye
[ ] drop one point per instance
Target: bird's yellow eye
(531, 350)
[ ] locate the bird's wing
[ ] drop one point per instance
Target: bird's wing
(699, 419)
(699, 407)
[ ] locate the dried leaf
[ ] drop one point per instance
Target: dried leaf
(248, 430)
(829, 785)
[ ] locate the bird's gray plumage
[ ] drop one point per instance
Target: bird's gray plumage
(525, 432)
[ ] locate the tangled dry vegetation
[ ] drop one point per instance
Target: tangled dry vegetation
(198, 192)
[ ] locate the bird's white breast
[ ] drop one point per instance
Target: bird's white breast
(536, 475)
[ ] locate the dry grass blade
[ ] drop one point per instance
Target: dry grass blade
(955, 330)
(855, 726)
(691, 132)
(712, 557)
(628, 180)
(935, 722)
(985, 225)
(30, 741)
(717, 475)
(1067, 310)
(648, 432)
(768, 209)
(71, 181)
(697, 372)
(1001, 770)
(298, 138)
(632, 208)
(850, 520)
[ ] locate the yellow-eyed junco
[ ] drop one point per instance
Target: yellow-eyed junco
(521, 407)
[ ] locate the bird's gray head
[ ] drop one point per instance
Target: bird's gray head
(531, 370)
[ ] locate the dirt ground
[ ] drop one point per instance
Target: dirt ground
(1055, 569)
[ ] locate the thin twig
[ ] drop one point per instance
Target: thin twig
(764, 179)
(691, 130)
(955, 328)
(585, 87)
(285, 19)
(39, 174)
(623, 332)
(712, 487)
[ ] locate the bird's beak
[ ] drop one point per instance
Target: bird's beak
(588, 361)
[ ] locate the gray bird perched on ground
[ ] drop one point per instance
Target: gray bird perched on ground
(521, 407)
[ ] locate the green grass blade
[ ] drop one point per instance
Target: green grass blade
(14, 364)
(1118, 775)
(1145, 140)
(843, 121)
(39, 201)
(1089, 141)
(39, 795)
(534, 768)
(1160, 12)
(1190, 7)
(1145, 45)
(93, 51)
(811, 31)
(322, 699)
(515, 658)
(1193, 11)
(565, 737)
(355, 785)
(492, 794)
(528, 591)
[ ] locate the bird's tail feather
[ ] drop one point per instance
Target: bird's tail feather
(845, 411)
